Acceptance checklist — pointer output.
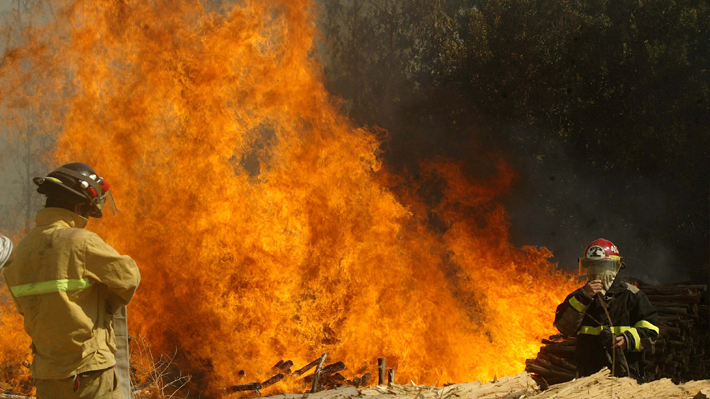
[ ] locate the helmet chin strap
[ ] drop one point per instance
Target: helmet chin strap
(82, 210)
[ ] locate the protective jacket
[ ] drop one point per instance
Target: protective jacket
(67, 283)
(631, 315)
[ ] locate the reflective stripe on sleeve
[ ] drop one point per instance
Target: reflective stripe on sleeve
(589, 330)
(637, 339)
(645, 324)
(47, 287)
(581, 308)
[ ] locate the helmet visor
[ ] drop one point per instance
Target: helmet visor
(104, 202)
(594, 267)
(108, 205)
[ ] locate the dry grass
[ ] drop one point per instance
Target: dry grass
(153, 378)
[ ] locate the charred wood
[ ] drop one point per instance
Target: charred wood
(533, 368)
(381, 371)
(365, 379)
(273, 380)
(315, 387)
(305, 368)
(252, 386)
(328, 370)
(687, 298)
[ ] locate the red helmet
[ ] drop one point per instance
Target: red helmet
(600, 255)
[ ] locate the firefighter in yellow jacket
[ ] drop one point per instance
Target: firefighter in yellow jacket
(67, 283)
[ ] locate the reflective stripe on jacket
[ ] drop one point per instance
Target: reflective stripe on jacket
(631, 314)
(67, 282)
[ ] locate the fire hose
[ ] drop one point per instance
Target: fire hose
(613, 336)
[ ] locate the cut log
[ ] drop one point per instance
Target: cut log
(365, 379)
(569, 342)
(532, 368)
(558, 361)
(252, 386)
(687, 298)
(665, 330)
(328, 370)
(671, 310)
(549, 366)
(561, 351)
(305, 368)
(273, 380)
(381, 371)
(336, 379)
(676, 289)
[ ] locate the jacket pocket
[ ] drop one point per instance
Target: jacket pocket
(89, 347)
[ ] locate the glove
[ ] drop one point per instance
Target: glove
(5, 250)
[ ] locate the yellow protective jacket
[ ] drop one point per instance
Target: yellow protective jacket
(67, 282)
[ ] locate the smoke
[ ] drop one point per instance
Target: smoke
(569, 189)
(556, 206)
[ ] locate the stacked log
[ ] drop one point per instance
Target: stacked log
(555, 362)
(681, 353)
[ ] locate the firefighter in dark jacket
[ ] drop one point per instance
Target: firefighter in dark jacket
(614, 321)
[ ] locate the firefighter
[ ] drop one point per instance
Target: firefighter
(68, 283)
(614, 322)
(6, 254)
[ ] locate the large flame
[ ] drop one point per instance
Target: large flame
(263, 222)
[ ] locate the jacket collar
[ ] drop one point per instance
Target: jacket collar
(49, 216)
(617, 286)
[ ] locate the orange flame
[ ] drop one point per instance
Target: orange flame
(262, 220)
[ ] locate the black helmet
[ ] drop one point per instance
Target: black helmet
(77, 184)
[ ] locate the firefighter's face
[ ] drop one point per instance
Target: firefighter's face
(604, 270)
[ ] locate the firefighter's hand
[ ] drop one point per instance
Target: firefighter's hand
(620, 342)
(592, 287)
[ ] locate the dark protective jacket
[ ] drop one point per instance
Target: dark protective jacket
(631, 315)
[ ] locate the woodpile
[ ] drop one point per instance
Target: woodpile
(323, 378)
(599, 385)
(682, 352)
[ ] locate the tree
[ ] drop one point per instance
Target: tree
(622, 89)
(26, 126)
